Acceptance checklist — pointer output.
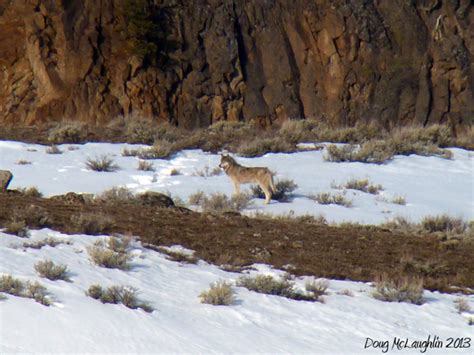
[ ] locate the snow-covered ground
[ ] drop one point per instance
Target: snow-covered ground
(257, 323)
(430, 185)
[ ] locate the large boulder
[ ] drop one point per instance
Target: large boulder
(5, 178)
(155, 199)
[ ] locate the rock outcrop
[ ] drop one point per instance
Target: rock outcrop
(5, 179)
(341, 61)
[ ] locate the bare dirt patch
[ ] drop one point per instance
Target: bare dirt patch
(346, 252)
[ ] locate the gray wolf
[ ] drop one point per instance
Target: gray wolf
(243, 175)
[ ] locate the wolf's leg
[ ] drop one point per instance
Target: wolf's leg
(236, 188)
(268, 194)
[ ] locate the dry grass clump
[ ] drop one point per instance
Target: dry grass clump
(30, 192)
(32, 216)
(68, 132)
(462, 305)
(161, 149)
(17, 228)
(292, 217)
(175, 172)
(48, 269)
(140, 130)
(382, 150)
(401, 225)
(399, 200)
(363, 185)
(114, 254)
(102, 164)
(259, 147)
(267, 284)
(116, 195)
(125, 295)
(49, 241)
(220, 203)
(284, 190)
(92, 224)
(26, 289)
(326, 198)
(465, 138)
(317, 288)
(179, 256)
(196, 198)
(208, 172)
(53, 149)
(144, 165)
(401, 289)
(444, 223)
(220, 293)
(23, 162)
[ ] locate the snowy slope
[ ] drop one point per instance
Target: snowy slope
(430, 185)
(257, 323)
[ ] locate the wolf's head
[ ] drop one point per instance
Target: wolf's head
(226, 162)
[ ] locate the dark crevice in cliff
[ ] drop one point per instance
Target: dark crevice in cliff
(294, 73)
(241, 47)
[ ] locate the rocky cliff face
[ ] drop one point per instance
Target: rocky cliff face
(342, 61)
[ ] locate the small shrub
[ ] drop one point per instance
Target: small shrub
(284, 190)
(462, 305)
(400, 224)
(116, 195)
(161, 149)
(444, 223)
(259, 147)
(32, 216)
(220, 203)
(92, 224)
(26, 289)
(125, 295)
(266, 284)
(402, 289)
(470, 321)
(271, 286)
(67, 133)
(31, 192)
(140, 130)
(325, 198)
(53, 150)
(102, 164)
(23, 162)
(219, 294)
(399, 200)
(113, 255)
(179, 256)
(207, 172)
(317, 288)
(375, 152)
(37, 292)
(363, 185)
(51, 271)
(17, 228)
(196, 198)
(175, 172)
(292, 217)
(145, 166)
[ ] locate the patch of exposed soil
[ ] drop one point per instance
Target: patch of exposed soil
(310, 249)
